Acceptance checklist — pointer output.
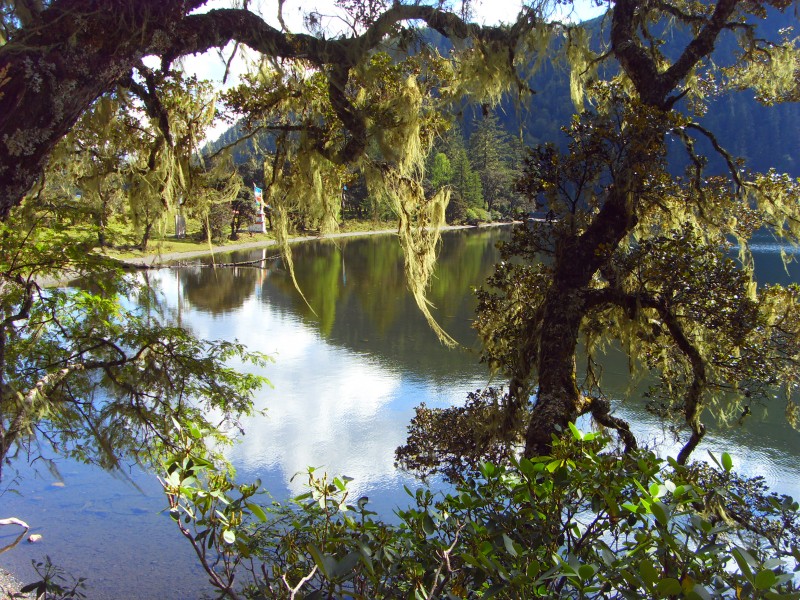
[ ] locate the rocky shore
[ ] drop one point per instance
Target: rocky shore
(10, 586)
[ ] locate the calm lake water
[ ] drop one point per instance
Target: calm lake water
(345, 380)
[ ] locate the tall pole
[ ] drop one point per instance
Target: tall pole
(258, 193)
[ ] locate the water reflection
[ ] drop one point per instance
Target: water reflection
(352, 363)
(357, 294)
(346, 377)
(218, 291)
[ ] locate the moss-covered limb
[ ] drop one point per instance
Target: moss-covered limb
(76, 52)
(600, 408)
(149, 96)
(692, 400)
(655, 85)
(353, 121)
(53, 71)
(695, 326)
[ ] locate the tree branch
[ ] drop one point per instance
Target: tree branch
(652, 85)
(729, 160)
(693, 401)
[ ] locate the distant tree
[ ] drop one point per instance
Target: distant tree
(464, 180)
(441, 171)
(492, 153)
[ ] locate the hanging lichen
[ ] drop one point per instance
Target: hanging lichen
(419, 232)
(581, 61)
(770, 71)
(484, 71)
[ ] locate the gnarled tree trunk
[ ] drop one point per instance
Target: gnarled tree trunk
(53, 69)
(577, 259)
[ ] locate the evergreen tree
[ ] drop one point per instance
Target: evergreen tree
(492, 155)
(465, 183)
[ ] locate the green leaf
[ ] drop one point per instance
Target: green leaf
(229, 536)
(634, 508)
(586, 572)
(743, 559)
(176, 423)
(346, 565)
(39, 586)
(608, 556)
(553, 465)
(257, 511)
(428, 526)
(648, 572)
(773, 563)
(669, 587)
(509, 544)
(325, 562)
(659, 511)
(727, 462)
(765, 579)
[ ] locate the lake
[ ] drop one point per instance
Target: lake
(345, 379)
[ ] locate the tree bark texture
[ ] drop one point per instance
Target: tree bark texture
(52, 70)
(577, 259)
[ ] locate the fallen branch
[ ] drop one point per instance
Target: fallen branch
(244, 263)
(14, 521)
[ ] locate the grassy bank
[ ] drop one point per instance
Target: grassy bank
(193, 243)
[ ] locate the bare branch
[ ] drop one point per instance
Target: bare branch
(729, 160)
(293, 591)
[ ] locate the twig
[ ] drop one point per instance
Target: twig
(293, 590)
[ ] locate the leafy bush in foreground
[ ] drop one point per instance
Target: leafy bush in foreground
(583, 522)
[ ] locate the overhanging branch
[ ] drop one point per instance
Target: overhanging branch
(693, 400)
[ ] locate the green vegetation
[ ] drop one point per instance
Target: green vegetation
(633, 254)
(582, 522)
(88, 375)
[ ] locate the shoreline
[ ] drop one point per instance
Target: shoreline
(162, 259)
(10, 585)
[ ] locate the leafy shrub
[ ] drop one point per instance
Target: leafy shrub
(477, 215)
(582, 522)
(217, 223)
